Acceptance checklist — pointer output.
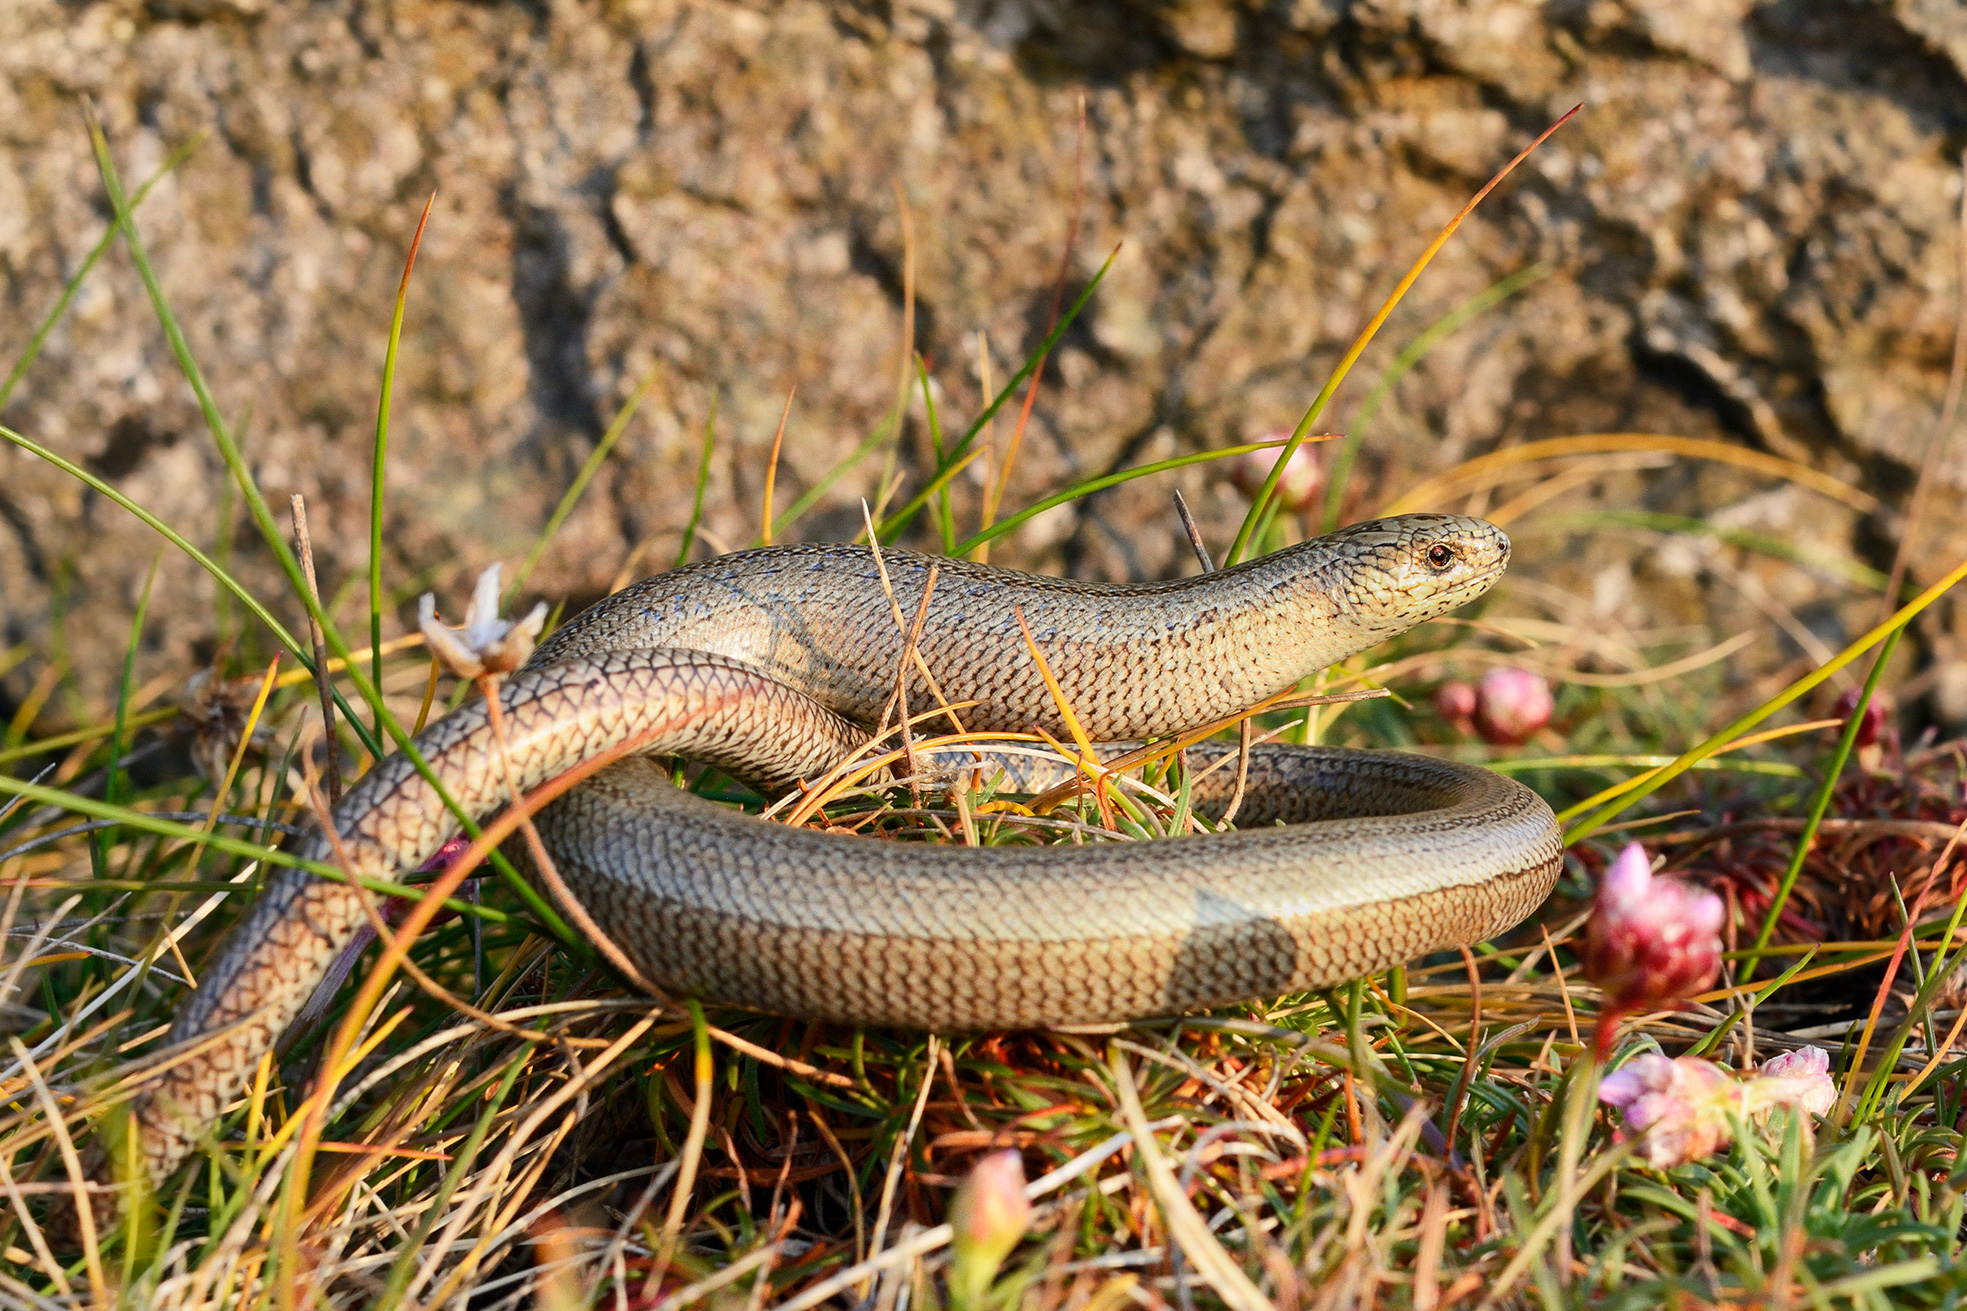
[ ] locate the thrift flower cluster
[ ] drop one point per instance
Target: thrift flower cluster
(1685, 1108)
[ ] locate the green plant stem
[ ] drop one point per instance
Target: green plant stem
(1091, 485)
(1804, 840)
(1795, 691)
(89, 262)
(379, 457)
(1580, 1101)
(895, 524)
(1403, 363)
(137, 819)
(404, 1266)
(113, 772)
(703, 481)
(572, 496)
(1260, 504)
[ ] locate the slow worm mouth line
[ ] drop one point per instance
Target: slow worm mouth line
(1348, 862)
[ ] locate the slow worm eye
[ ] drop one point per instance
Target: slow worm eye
(1440, 555)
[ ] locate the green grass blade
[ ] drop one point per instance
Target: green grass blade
(593, 465)
(1261, 502)
(1403, 363)
(811, 496)
(1905, 615)
(703, 481)
(945, 520)
(1099, 484)
(113, 773)
(166, 828)
(89, 262)
(277, 543)
(379, 458)
(1820, 807)
(461, 1161)
(897, 523)
(219, 575)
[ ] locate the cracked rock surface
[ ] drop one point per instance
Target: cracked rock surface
(1749, 233)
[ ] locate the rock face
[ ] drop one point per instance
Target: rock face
(1749, 233)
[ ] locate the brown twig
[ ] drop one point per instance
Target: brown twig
(332, 766)
(1242, 772)
(1194, 533)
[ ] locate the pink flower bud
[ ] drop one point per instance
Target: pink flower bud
(1650, 942)
(1686, 1107)
(1511, 705)
(989, 1214)
(1798, 1078)
(1455, 702)
(1873, 723)
(1303, 478)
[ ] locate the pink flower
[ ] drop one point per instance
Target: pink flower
(1511, 705)
(1685, 1108)
(1799, 1078)
(1681, 1106)
(1303, 478)
(1650, 942)
(1455, 702)
(989, 1214)
(1873, 723)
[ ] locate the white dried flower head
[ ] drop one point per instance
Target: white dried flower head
(486, 644)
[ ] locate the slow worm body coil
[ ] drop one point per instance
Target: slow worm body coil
(772, 664)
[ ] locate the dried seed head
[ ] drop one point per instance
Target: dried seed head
(217, 708)
(486, 644)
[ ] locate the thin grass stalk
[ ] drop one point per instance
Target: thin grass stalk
(1427, 494)
(403, 1268)
(896, 523)
(379, 458)
(825, 483)
(1260, 504)
(772, 471)
(283, 555)
(324, 685)
(1843, 568)
(126, 688)
(1584, 828)
(703, 481)
(1846, 741)
(692, 1155)
(945, 517)
(1403, 363)
(596, 458)
(82, 271)
(1078, 490)
(148, 823)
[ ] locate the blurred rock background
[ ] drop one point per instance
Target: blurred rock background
(1749, 233)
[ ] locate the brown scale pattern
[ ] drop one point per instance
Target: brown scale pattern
(764, 663)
